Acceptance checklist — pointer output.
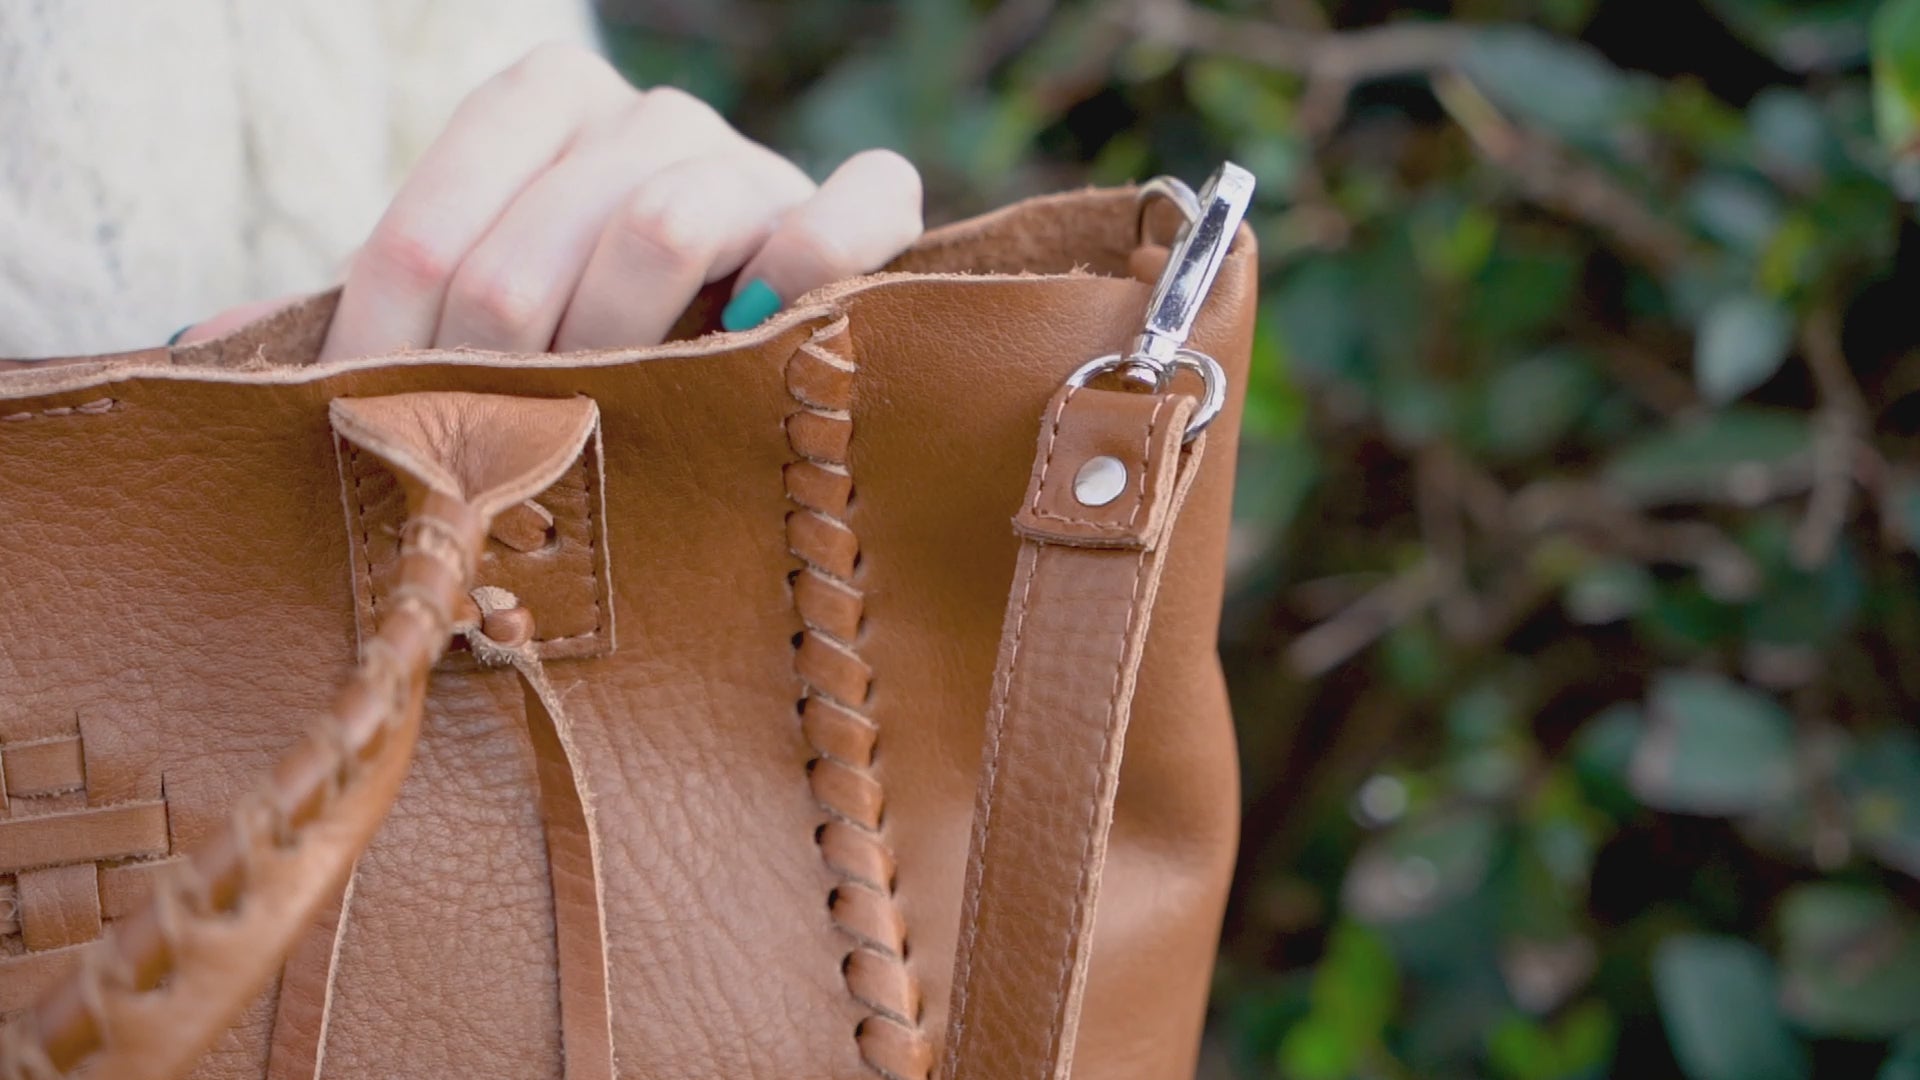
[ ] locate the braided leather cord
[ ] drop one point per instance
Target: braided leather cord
(820, 378)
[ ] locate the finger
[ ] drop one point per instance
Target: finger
(512, 289)
(866, 213)
(693, 223)
(502, 136)
(233, 319)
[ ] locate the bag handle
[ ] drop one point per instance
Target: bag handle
(1111, 472)
(169, 978)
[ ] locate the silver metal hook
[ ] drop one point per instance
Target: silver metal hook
(1213, 216)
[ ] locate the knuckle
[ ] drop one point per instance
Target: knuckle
(673, 102)
(827, 253)
(554, 61)
(408, 260)
(495, 304)
(667, 232)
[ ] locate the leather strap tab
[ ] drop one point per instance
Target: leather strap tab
(1131, 433)
(1062, 693)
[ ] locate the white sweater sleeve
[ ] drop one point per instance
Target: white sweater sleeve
(160, 162)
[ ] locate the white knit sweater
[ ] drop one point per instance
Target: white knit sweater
(162, 161)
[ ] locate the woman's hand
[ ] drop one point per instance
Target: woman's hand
(563, 209)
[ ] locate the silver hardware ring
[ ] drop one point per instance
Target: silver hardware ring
(1213, 382)
(1171, 188)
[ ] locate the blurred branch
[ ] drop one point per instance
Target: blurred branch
(1650, 379)
(1332, 643)
(1003, 31)
(1349, 56)
(1840, 427)
(1333, 62)
(1554, 178)
(1304, 13)
(1600, 518)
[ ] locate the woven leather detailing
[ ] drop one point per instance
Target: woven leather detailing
(188, 926)
(820, 378)
(66, 860)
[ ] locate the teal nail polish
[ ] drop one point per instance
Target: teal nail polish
(750, 306)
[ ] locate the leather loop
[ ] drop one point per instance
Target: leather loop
(1070, 651)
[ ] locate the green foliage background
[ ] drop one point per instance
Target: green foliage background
(1574, 633)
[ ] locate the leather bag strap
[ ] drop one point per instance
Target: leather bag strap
(168, 979)
(1108, 480)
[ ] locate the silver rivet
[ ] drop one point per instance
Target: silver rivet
(1100, 481)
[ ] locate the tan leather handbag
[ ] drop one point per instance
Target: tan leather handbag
(706, 715)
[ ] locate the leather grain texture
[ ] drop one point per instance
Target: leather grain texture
(818, 510)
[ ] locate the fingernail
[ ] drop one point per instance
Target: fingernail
(750, 306)
(180, 333)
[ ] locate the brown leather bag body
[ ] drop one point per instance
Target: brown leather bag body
(756, 742)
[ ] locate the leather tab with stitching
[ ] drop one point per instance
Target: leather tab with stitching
(1085, 424)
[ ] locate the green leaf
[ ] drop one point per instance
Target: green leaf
(1850, 962)
(1801, 35)
(1452, 239)
(1608, 591)
(1602, 756)
(1903, 500)
(1735, 210)
(1725, 456)
(1713, 747)
(1791, 136)
(1580, 1044)
(1685, 619)
(1881, 783)
(1896, 88)
(1717, 999)
(1420, 867)
(1743, 340)
(1315, 315)
(1519, 294)
(1531, 404)
(1558, 84)
(1797, 606)
(1316, 1049)
(1356, 988)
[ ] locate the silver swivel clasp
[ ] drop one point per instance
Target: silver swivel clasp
(1213, 216)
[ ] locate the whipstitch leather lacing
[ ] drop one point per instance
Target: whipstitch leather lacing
(836, 680)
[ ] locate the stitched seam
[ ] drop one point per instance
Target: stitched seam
(963, 977)
(593, 553)
(91, 408)
(815, 349)
(1053, 440)
(49, 740)
(43, 793)
(1062, 979)
(366, 534)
